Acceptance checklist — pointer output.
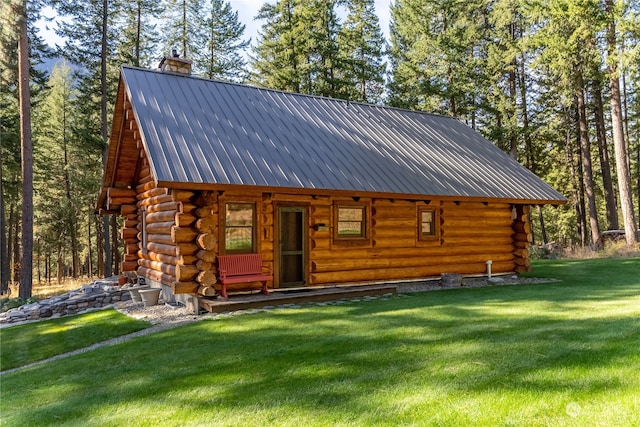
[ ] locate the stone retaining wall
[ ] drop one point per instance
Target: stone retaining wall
(99, 294)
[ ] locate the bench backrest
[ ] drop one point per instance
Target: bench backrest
(240, 265)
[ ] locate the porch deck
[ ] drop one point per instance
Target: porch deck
(292, 296)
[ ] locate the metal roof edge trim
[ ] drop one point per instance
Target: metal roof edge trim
(143, 137)
(350, 193)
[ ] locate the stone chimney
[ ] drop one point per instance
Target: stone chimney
(175, 64)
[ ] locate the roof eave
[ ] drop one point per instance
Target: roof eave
(352, 193)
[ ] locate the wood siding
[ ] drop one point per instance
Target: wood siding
(183, 229)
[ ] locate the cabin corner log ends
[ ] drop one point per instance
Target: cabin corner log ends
(170, 236)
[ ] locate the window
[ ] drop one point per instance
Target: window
(428, 223)
(351, 222)
(239, 228)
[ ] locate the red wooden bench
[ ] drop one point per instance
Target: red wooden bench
(242, 268)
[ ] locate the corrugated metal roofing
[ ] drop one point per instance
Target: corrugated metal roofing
(203, 131)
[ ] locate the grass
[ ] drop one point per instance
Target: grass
(27, 343)
(556, 354)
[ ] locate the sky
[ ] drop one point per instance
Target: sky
(247, 10)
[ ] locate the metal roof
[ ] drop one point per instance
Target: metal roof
(210, 132)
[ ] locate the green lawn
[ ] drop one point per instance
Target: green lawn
(31, 342)
(555, 354)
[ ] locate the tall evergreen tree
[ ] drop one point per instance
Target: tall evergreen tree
(180, 27)
(88, 31)
(59, 210)
(362, 46)
(621, 148)
(565, 48)
(15, 15)
(298, 49)
(138, 33)
(221, 55)
(277, 58)
(322, 67)
(11, 118)
(434, 43)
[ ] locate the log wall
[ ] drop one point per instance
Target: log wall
(184, 229)
(470, 234)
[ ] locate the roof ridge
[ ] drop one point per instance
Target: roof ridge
(295, 94)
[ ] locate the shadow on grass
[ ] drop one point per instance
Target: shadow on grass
(400, 360)
(32, 342)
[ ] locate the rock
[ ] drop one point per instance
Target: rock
(451, 279)
(15, 315)
(496, 280)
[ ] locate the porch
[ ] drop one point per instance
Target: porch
(292, 296)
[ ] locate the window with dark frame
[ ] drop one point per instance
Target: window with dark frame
(428, 224)
(351, 222)
(239, 230)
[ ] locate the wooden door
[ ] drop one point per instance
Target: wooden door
(292, 246)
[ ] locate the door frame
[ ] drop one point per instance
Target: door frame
(299, 207)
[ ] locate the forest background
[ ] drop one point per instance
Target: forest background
(553, 83)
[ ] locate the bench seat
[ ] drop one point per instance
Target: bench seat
(242, 268)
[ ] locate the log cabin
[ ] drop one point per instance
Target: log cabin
(327, 191)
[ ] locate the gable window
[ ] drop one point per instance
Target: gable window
(428, 223)
(239, 230)
(351, 222)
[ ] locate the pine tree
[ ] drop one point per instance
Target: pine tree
(15, 15)
(435, 45)
(621, 148)
(361, 46)
(88, 33)
(278, 56)
(59, 209)
(322, 67)
(297, 48)
(180, 30)
(220, 57)
(138, 34)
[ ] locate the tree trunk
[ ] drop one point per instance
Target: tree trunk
(89, 246)
(100, 245)
(4, 249)
(605, 164)
(47, 266)
(578, 187)
(104, 131)
(12, 237)
(543, 229)
(59, 266)
(38, 261)
(621, 150)
(638, 176)
(26, 142)
(75, 259)
(513, 138)
(587, 170)
(529, 153)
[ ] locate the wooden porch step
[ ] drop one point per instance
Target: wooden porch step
(292, 296)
